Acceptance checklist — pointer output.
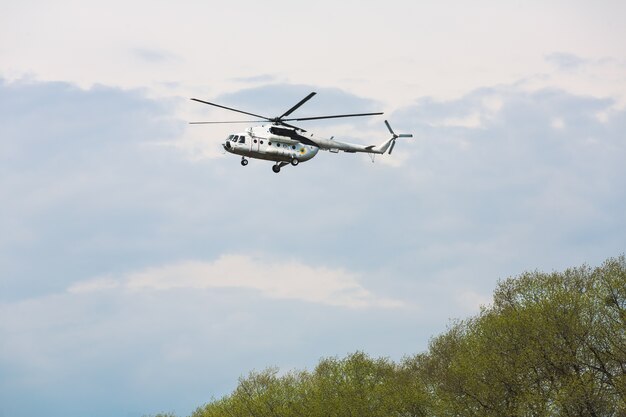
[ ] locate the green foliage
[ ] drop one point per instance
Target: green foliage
(549, 345)
(355, 386)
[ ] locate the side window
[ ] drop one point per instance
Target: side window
(242, 139)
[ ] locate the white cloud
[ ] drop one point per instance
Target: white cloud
(167, 346)
(565, 61)
(273, 279)
(470, 121)
(437, 233)
(93, 285)
(441, 49)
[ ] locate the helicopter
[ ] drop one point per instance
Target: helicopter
(286, 144)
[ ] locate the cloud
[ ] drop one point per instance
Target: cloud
(565, 61)
(94, 285)
(263, 78)
(280, 280)
(126, 264)
(509, 177)
(154, 343)
(539, 174)
(154, 56)
(72, 158)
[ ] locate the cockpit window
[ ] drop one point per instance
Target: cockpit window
(242, 139)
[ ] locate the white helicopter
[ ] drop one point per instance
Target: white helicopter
(286, 144)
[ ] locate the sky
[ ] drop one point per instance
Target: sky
(142, 270)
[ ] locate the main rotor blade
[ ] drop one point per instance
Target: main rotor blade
(231, 109)
(300, 103)
(332, 117)
(234, 121)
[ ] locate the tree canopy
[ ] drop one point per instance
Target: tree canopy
(550, 344)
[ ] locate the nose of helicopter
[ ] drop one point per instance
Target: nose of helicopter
(227, 145)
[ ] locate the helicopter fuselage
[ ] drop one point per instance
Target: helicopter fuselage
(263, 142)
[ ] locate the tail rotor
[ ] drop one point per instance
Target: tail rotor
(395, 136)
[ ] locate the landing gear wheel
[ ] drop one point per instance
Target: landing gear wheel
(294, 162)
(244, 162)
(276, 168)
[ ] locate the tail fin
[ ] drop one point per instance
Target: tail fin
(392, 141)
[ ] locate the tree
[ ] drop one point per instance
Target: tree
(550, 344)
(354, 386)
